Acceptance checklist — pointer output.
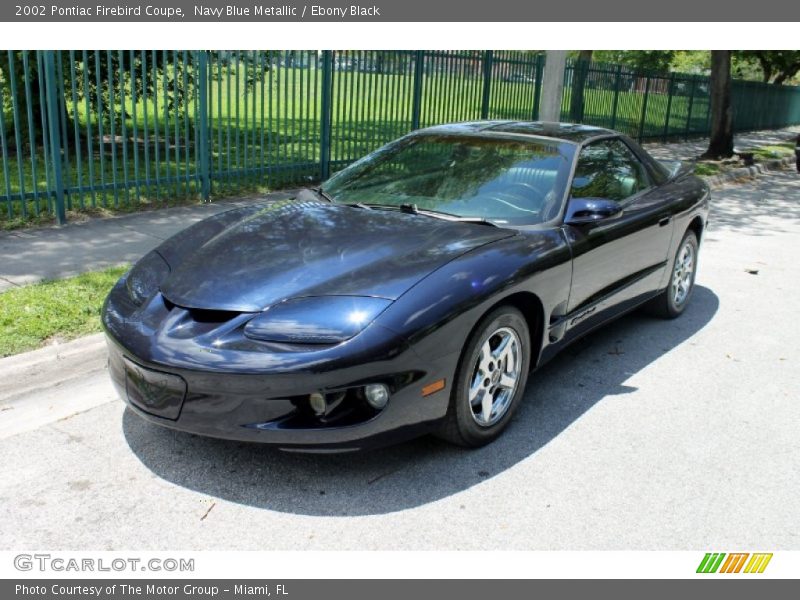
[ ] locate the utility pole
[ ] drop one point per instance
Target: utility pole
(553, 85)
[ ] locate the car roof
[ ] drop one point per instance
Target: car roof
(570, 132)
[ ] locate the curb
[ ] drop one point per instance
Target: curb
(775, 164)
(30, 372)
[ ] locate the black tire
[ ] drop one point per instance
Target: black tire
(462, 426)
(669, 304)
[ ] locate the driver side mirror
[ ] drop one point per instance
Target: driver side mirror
(583, 211)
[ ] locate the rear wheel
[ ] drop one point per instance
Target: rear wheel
(490, 379)
(673, 300)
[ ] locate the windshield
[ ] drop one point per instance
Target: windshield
(507, 181)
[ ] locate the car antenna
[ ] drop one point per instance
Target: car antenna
(409, 208)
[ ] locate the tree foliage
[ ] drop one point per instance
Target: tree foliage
(102, 78)
(777, 66)
(769, 66)
(645, 60)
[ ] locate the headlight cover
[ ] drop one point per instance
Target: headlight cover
(315, 319)
(146, 276)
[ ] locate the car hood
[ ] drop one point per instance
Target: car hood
(289, 249)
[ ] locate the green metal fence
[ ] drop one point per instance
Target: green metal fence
(84, 129)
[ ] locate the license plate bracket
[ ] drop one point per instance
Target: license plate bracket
(155, 392)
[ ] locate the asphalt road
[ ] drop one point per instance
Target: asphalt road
(648, 435)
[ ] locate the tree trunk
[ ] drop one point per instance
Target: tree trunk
(766, 67)
(579, 76)
(721, 143)
(787, 73)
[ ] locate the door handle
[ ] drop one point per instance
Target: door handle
(664, 221)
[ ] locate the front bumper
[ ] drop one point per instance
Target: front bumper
(234, 400)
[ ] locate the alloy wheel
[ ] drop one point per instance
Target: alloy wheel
(682, 275)
(495, 376)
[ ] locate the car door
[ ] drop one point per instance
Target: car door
(619, 260)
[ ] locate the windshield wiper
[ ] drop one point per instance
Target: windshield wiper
(477, 220)
(436, 214)
(322, 194)
(318, 191)
(359, 205)
(446, 216)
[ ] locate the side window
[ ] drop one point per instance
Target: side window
(608, 169)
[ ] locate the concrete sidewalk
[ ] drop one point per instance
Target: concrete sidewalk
(30, 255)
(691, 149)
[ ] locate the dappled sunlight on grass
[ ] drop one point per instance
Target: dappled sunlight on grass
(53, 311)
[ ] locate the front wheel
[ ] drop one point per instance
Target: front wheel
(673, 300)
(490, 379)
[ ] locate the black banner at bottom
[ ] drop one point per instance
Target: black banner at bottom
(400, 589)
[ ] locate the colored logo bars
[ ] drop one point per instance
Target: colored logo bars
(719, 562)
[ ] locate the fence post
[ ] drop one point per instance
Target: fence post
(689, 109)
(205, 175)
(537, 86)
(644, 107)
(669, 106)
(416, 105)
(326, 117)
(617, 79)
(487, 83)
(54, 131)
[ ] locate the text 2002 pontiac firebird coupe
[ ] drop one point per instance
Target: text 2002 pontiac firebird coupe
(413, 292)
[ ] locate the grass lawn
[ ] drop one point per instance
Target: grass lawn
(704, 169)
(772, 151)
(36, 315)
(760, 153)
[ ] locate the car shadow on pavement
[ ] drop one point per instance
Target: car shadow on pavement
(592, 370)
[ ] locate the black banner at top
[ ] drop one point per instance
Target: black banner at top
(396, 11)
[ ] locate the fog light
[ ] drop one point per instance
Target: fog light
(377, 395)
(317, 402)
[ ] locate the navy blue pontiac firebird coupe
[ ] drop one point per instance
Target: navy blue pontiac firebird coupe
(412, 292)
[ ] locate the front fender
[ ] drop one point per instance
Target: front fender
(437, 315)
